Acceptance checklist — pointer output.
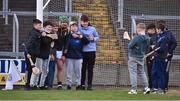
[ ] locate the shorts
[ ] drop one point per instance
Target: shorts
(58, 54)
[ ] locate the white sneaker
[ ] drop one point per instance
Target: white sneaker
(132, 92)
(147, 90)
(155, 91)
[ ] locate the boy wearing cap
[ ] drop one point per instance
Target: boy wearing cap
(59, 45)
(74, 56)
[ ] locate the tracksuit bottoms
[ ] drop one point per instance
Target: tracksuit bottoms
(159, 73)
(43, 65)
(73, 67)
(136, 67)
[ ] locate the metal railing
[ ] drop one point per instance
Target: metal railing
(15, 33)
(15, 52)
(31, 13)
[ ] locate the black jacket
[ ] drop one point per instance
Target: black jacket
(45, 46)
(33, 42)
(61, 42)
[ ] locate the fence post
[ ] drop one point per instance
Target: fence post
(5, 11)
(70, 9)
(66, 5)
(14, 35)
(120, 12)
(39, 9)
(4, 2)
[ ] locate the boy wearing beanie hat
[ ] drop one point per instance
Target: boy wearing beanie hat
(59, 45)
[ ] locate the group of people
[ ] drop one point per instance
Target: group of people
(158, 40)
(61, 44)
(64, 44)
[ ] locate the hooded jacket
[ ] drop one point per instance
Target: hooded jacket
(138, 46)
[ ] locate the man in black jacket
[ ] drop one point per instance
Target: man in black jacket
(33, 49)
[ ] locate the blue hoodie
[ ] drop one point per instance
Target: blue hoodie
(91, 47)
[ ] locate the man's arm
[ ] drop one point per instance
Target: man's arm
(46, 39)
(162, 43)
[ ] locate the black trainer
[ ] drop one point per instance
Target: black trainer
(78, 87)
(89, 88)
(68, 87)
(43, 88)
(82, 87)
(34, 88)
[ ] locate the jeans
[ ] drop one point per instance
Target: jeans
(50, 76)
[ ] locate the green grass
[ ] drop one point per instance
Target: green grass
(103, 94)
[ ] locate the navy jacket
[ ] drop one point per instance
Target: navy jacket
(172, 43)
(138, 46)
(75, 47)
(162, 42)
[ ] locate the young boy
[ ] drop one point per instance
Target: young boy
(172, 43)
(89, 51)
(74, 55)
(136, 49)
(52, 62)
(33, 49)
(151, 31)
(159, 64)
(42, 60)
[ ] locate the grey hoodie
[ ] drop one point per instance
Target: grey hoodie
(138, 46)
